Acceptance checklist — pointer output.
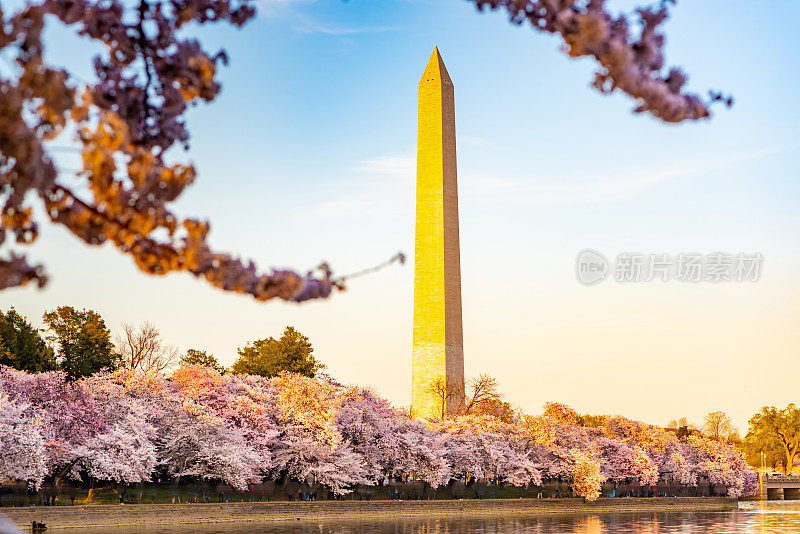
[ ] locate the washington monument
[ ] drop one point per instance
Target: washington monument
(438, 354)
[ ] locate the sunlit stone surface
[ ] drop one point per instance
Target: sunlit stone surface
(438, 355)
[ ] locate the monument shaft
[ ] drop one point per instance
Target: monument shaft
(438, 353)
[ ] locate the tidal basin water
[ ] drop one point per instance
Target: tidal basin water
(752, 517)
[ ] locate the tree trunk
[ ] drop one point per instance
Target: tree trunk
(58, 478)
(789, 466)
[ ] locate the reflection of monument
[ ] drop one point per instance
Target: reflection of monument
(438, 358)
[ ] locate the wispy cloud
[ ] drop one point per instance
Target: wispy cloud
(395, 165)
(379, 187)
(338, 31)
(393, 194)
(293, 11)
(480, 142)
(277, 8)
(478, 183)
(609, 187)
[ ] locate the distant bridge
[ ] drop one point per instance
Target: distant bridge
(780, 487)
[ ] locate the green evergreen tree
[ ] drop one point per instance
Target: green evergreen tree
(83, 340)
(21, 345)
(200, 357)
(268, 357)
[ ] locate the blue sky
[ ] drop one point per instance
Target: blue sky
(309, 154)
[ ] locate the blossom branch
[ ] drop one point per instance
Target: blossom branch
(632, 63)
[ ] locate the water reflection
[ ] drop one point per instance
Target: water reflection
(751, 518)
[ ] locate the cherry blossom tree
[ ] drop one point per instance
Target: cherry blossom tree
(486, 447)
(193, 439)
(308, 404)
(125, 426)
(661, 446)
(508, 464)
(620, 462)
(548, 446)
(561, 413)
(70, 415)
(124, 453)
(22, 455)
(720, 465)
(246, 402)
(335, 466)
(7, 527)
(370, 426)
(586, 477)
(127, 121)
(311, 445)
(193, 446)
(421, 454)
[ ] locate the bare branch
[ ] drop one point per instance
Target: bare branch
(142, 349)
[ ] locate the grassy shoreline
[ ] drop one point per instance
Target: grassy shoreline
(207, 513)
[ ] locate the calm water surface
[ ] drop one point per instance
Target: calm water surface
(752, 517)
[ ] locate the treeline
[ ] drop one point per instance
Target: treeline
(78, 343)
(77, 405)
(195, 424)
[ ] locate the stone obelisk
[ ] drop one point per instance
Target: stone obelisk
(438, 358)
